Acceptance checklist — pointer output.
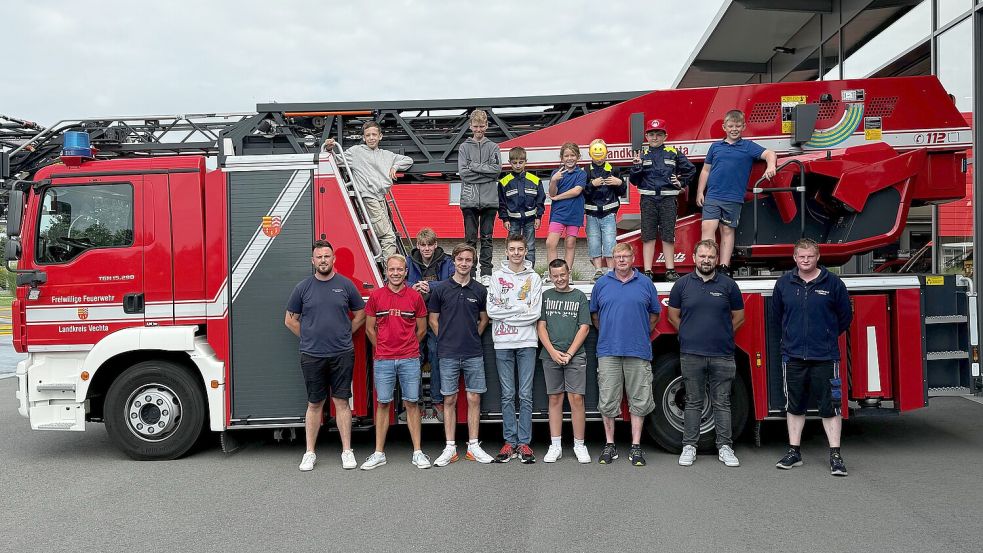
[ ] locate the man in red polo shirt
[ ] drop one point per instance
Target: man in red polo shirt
(395, 322)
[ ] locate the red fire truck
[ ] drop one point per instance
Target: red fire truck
(154, 255)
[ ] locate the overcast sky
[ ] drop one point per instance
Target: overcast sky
(67, 60)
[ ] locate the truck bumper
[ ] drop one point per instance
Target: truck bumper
(46, 391)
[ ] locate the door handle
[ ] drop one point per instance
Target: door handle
(133, 303)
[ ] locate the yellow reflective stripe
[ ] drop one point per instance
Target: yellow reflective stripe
(507, 179)
(607, 166)
(532, 178)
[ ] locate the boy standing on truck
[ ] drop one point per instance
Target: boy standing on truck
(317, 313)
(458, 318)
(429, 265)
(521, 201)
(659, 172)
(602, 199)
(395, 322)
(373, 172)
(723, 183)
(479, 164)
(513, 306)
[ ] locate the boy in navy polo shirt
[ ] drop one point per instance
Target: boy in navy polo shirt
(458, 317)
(723, 183)
(567, 212)
(706, 308)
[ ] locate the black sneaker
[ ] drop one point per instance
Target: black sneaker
(608, 454)
(725, 269)
(650, 275)
(526, 455)
(635, 456)
(791, 459)
(672, 275)
(505, 454)
(836, 465)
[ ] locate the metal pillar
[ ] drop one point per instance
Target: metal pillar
(977, 149)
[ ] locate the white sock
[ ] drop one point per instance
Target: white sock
(578, 442)
(473, 442)
(415, 451)
(555, 440)
(451, 443)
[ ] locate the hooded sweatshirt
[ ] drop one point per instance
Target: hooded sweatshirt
(479, 164)
(441, 267)
(370, 169)
(514, 304)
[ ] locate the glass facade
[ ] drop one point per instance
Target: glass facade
(908, 31)
(948, 10)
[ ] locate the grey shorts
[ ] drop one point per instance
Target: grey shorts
(571, 377)
(631, 373)
(659, 218)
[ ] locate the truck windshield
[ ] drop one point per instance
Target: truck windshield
(75, 219)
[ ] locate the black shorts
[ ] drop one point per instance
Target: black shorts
(323, 372)
(802, 377)
(658, 218)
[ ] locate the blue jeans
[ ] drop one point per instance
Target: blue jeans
(602, 233)
(527, 230)
(473, 369)
(431, 356)
(386, 371)
(508, 360)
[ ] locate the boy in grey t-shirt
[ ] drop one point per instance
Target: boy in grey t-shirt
(563, 327)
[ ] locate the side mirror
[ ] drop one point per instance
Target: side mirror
(15, 212)
(13, 249)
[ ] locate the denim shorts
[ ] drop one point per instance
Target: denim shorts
(601, 235)
(473, 369)
(386, 371)
(728, 213)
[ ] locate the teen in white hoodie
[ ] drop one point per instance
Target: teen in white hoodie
(514, 303)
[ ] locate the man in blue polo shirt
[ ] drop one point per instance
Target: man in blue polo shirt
(706, 308)
(624, 307)
(317, 312)
(458, 317)
(724, 180)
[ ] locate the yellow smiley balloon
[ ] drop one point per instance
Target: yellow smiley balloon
(598, 152)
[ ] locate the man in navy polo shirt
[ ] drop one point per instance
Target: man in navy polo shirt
(706, 308)
(624, 307)
(317, 312)
(814, 308)
(723, 183)
(458, 317)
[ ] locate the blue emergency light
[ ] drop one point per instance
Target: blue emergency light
(76, 144)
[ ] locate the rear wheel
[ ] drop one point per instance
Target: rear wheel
(665, 423)
(155, 410)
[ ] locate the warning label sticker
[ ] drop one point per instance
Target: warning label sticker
(788, 119)
(872, 128)
(935, 280)
(856, 95)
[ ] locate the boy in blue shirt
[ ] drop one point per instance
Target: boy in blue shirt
(723, 183)
(567, 213)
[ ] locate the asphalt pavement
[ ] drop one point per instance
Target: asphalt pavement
(913, 486)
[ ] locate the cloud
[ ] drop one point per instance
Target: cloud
(128, 58)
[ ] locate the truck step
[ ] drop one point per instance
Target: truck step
(56, 426)
(945, 319)
(56, 386)
(943, 355)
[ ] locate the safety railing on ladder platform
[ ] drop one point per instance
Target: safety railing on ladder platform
(801, 189)
(403, 241)
(363, 217)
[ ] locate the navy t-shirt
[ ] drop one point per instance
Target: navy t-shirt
(705, 326)
(570, 211)
(623, 310)
(458, 309)
(323, 305)
(730, 168)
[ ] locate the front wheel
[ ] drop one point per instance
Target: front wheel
(155, 410)
(665, 423)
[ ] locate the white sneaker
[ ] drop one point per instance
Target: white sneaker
(688, 455)
(448, 456)
(727, 457)
(475, 453)
(348, 459)
(377, 459)
(420, 460)
(553, 453)
(486, 280)
(580, 451)
(308, 462)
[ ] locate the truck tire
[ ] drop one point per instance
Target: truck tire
(665, 423)
(155, 410)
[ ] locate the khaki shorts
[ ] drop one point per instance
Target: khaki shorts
(632, 374)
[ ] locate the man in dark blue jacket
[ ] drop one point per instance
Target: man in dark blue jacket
(814, 308)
